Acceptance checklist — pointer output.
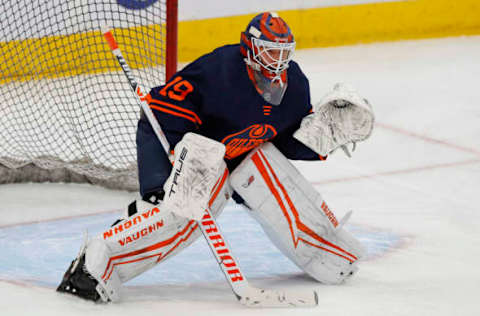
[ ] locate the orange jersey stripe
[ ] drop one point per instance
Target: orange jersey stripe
(151, 101)
(173, 113)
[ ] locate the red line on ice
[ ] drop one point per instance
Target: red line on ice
(428, 139)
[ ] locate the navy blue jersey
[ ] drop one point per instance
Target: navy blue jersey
(214, 97)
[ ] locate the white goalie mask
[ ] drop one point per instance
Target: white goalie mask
(268, 47)
(273, 56)
(270, 65)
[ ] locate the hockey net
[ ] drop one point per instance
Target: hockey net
(67, 113)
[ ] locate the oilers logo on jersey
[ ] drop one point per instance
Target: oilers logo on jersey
(247, 139)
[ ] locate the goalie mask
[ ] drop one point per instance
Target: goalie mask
(268, 47)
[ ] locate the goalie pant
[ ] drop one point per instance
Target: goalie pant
(297, 221)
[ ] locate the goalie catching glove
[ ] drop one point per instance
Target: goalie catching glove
(340, 118)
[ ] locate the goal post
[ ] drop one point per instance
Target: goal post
(66, 111)
(172, 38)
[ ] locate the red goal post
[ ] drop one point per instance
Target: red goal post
(172, 38)
(66, 110)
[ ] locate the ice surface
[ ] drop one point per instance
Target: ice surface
(413, 186)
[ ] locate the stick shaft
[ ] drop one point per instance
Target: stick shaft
(136, 89)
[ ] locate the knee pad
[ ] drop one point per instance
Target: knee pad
(295, 217)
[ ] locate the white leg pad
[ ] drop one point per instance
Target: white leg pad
(148, 237)
(96, 257)
(295, 217)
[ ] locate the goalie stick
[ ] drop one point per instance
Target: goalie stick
(247, 294)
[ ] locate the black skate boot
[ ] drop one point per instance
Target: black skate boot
(77, 281)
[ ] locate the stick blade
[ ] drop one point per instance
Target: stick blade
(255, 298)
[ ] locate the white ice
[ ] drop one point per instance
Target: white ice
(417, 177)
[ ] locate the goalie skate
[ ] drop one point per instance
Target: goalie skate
(77, 281)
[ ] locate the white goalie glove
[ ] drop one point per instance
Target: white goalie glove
(340, 118)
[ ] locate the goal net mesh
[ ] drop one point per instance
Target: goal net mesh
(66, 110)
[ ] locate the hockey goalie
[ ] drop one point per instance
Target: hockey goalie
(235, 118)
